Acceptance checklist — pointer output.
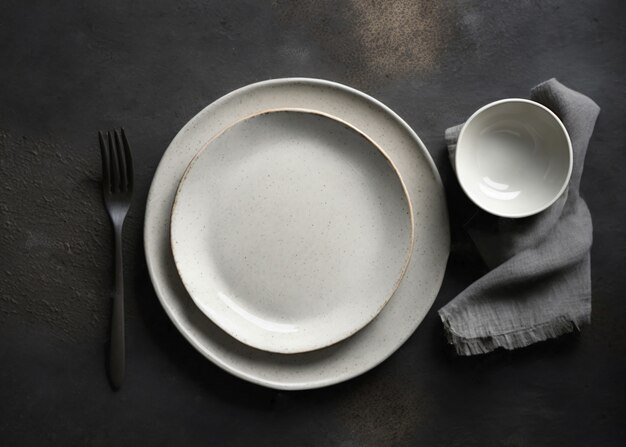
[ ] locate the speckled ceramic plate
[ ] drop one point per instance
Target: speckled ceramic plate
(413, 297)
(291, 230)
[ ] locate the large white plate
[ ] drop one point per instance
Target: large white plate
(411, 301)
(291, 230)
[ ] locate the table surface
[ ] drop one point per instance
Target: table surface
(71, 68)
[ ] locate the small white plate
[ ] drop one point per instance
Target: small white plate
(513, 158)
(411, 301)
(291, 230)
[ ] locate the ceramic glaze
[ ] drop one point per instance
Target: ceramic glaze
(291, 230)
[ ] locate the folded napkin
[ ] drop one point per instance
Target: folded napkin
(539, 284)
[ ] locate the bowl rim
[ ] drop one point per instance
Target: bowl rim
(569, 151)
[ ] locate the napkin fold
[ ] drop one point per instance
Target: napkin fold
(538, 285)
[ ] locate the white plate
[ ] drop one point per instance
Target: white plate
(411, 301)
(291, 230)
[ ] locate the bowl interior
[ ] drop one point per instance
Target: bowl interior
(513, 158)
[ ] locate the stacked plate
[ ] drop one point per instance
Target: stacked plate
(296, 232)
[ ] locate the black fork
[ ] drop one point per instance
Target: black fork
(117, 187)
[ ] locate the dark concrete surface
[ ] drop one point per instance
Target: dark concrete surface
(69, 68)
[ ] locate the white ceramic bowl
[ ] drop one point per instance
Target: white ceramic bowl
(513, 158)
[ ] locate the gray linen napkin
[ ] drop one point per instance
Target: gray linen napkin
(539, 284)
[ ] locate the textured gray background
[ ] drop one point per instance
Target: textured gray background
(69, 68)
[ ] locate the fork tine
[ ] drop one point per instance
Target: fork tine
(115, 167)
(129, 160)
(106, 171)
(122, 162)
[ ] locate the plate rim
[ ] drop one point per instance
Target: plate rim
(220, 361)
(407, 252)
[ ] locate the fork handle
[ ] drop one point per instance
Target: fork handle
(117, 355)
